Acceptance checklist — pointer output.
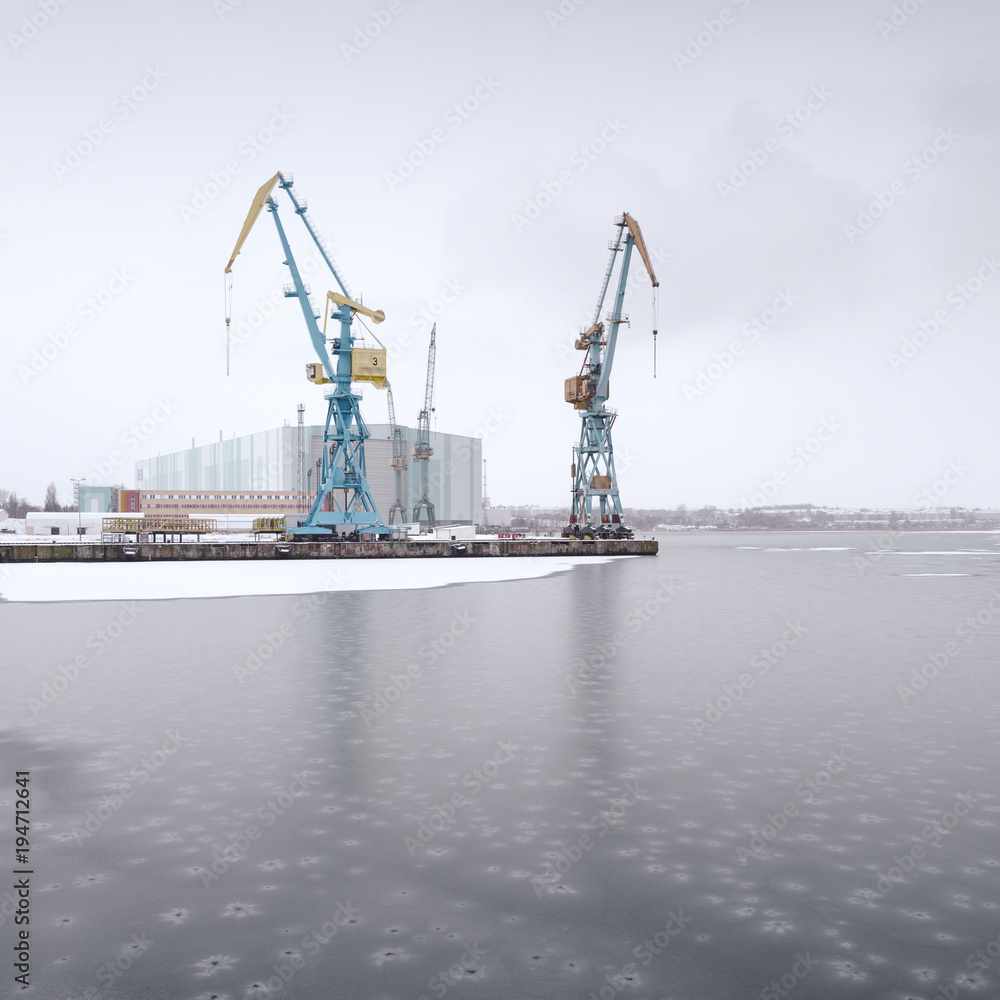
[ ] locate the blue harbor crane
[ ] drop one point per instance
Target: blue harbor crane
(343, 506)
(593, 467)
(422, 449)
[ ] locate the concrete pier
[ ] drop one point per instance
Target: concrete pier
(211, 551)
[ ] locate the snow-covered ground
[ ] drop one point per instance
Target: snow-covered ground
(148, 581)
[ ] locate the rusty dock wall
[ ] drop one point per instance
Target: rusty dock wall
(215, 551)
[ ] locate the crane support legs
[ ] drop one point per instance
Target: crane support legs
(594, 478)
(397, 505)
(343, 501)
(424, 502)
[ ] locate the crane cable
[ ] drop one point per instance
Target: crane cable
(228, 286)
(365, 325)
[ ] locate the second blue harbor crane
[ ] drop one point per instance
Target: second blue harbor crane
(343, 506)
(398, 461)
(593, 467)
(422, 449)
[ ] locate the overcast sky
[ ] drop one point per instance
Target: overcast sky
(835, 160)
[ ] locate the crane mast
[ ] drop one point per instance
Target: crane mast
(422, 449)
(593, 466)
(343, 498)
(397, 462)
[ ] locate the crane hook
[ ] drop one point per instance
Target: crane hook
(228, 285)
(655, 303)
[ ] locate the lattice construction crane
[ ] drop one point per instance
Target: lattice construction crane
(422, 449)
(397, 462)
(593, 468)
(343, 499)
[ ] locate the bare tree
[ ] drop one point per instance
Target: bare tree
(16, 507)
(51, 499)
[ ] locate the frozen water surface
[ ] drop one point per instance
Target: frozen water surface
(684, 777)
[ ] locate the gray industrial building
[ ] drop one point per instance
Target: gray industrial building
(269, 461)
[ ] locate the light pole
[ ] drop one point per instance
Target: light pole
(79, 515)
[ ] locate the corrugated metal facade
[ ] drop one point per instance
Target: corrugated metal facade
(269, 461)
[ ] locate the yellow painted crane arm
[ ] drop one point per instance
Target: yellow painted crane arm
(640, 245)
(255, 209)
(376, 315)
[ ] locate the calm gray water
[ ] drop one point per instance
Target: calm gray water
(595, 784)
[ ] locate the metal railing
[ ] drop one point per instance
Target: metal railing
(184, 524)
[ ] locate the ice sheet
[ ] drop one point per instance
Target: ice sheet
(817, 548)
(149, 581)
(934, 552)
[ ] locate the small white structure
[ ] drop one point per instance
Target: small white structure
(455, 532)
(62, 523)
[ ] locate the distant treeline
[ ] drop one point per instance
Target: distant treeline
(18, 506)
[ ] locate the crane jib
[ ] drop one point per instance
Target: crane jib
(256, 206)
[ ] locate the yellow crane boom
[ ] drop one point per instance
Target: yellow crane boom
(640, 245)
(255, 209)
(256, 206)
